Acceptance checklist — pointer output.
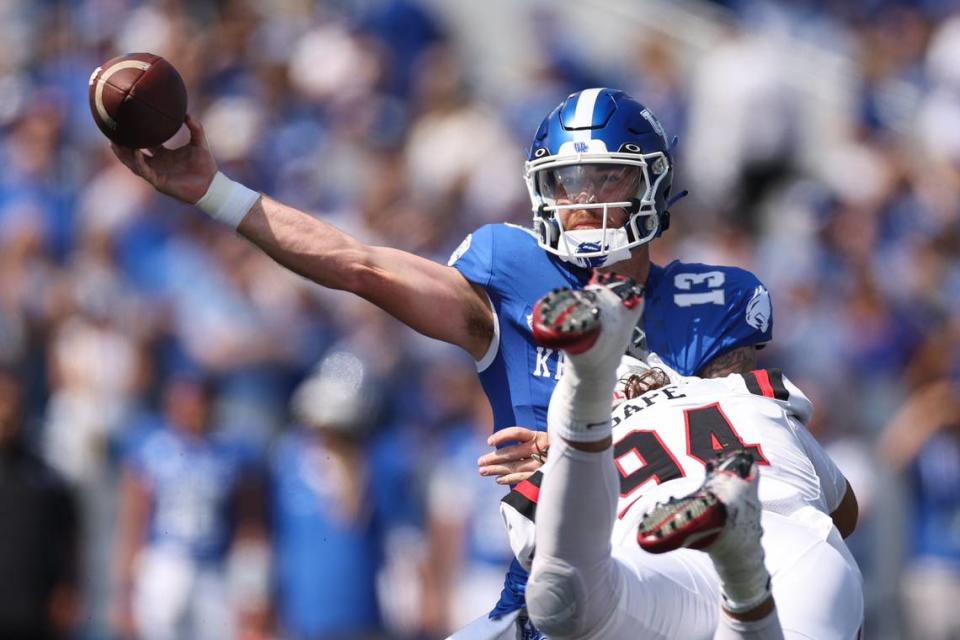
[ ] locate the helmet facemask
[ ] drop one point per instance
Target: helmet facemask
(624, 185)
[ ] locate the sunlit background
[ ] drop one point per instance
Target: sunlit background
(820, 141)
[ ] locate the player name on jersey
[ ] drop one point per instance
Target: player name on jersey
(664, 439)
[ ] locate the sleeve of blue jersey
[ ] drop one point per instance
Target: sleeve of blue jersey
(749, 317)
(754, 299)
(703, 330)
(474, 257)
(135, 455)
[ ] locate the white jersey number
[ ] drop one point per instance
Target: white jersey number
(713, 281)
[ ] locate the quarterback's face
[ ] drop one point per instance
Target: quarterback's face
(592, 184)
(575, 219)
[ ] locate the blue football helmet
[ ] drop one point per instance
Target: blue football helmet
(599, 149)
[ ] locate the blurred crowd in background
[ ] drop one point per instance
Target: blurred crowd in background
(195, 443)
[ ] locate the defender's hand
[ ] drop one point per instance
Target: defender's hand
(517, 462)
(184, 173)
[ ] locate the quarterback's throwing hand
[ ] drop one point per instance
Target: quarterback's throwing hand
(184, 173)
(517, 462)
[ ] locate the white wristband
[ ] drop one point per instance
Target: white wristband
(227, 201)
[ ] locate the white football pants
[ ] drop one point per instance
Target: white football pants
(581, 586)
(174, 598)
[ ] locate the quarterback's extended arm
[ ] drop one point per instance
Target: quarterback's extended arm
(433, 299)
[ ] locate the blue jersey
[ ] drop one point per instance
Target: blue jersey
(193, 483)
(692, 314)
(935, 489)
(326, 561)
(470, 498)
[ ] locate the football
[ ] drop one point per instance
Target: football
(138, 100)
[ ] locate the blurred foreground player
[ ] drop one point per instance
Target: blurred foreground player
(599, 175)
(189, 504)
(771, 471)
(39, 531)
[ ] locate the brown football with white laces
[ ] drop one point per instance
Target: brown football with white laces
(138, 100)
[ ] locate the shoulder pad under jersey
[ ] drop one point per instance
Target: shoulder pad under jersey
(495, 254)
(772, 384)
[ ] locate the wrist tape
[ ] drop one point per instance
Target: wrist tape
(227, 201)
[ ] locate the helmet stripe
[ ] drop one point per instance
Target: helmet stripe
(583, 115)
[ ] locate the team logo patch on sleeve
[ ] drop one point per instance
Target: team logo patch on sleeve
(459, 251)
(758, 309)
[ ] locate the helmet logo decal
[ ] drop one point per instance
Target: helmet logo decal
(649, 117)
(581, 147)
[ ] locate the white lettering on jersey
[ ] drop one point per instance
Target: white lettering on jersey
(686, 281)
(561, 361)
(658, 442)
(689, 299)
(758, 309)
(543, 355)
(459, 251)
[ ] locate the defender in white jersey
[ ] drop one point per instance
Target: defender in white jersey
(590, 577)
(664, 438)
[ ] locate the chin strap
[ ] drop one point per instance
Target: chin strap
(665, 216)
(683, 194)
(673, 199)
